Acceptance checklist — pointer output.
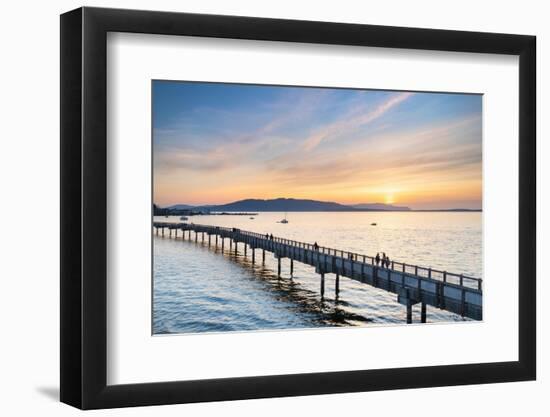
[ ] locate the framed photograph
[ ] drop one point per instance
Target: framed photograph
(256, 208)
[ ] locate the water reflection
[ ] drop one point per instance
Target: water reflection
(327, 311)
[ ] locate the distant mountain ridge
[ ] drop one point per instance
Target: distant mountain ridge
(281, 204)
(288, 204)
(181, 207)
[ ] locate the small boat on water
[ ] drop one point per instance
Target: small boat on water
(284, 220)
(373, 224)
(252, 218)
(184, 218)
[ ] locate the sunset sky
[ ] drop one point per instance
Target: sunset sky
(218, 143)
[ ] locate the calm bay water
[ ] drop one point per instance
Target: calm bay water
(202, 289)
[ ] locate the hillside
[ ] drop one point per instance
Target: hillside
(281, 204)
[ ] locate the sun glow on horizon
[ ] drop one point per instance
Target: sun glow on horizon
(389, 199)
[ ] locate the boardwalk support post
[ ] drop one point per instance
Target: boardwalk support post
(263, 256)
(223, 241)
(322, 285)
(245, 249)
(337, 287)
(423, 313)
(278, 267)
(291, 267)
(409, 313)
(253, 255)
(235, 247)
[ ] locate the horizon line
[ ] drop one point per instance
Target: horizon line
(350, 205)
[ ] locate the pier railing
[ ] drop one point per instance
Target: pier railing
(430, 273)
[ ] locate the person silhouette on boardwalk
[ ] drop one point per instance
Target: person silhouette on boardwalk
(271, 236)
(316, 246)
(377, 259)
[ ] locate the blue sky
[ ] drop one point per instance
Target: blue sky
(216, 143)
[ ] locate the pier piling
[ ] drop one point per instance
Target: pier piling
(322, 285)
(278, 267)
(423, 313)
(337, 285)
(409, 313)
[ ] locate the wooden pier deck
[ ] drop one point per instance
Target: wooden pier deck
(413, 284)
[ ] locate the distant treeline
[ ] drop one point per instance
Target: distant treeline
(159, 211)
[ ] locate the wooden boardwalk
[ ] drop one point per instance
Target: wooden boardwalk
(413, 284)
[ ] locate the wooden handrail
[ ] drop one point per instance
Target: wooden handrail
(395, 265)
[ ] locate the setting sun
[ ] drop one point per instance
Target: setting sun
(389, 199)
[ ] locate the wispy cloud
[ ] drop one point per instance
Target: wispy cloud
(353, 122)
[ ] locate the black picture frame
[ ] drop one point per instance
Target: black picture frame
(84, 207)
